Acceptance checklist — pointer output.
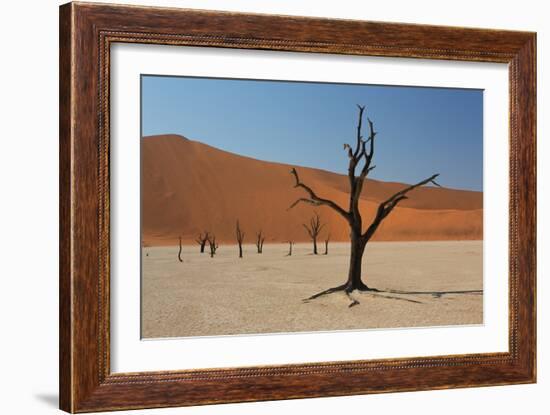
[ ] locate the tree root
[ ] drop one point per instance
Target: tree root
(387, 293)
(344, 288)
(353, 300)
(378, 293)
(326, 292)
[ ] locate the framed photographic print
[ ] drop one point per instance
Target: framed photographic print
(260, 207)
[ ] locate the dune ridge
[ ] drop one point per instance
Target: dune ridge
(188, 187)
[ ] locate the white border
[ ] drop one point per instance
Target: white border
(130, 354)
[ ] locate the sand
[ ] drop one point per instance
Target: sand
(189, 187)
(262, 293)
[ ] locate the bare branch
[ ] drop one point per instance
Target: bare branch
(308, 230)
(391, 205)
(435, 183)
(406, 190)
(213, 245)
(239, 233)
(304, 200)
(370, 154)
(201, 240)
(359, 127)
(356, 182)
(385, 208)
(314, 199)
(372, 135)
(348, 148)
(359, 149)
(314, 229)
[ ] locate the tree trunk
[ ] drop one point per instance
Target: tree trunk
(354, 276)
(213, 245)
(179, 252)
(201, 240)
(314, 246)
(240, 238)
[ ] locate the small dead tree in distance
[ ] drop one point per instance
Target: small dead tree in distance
(314, 229)
(363, 152)
(290, 243)
(260, 238)
(240, 238)
(179, 252)
(327, 240)
(201, 240)
(213, 245)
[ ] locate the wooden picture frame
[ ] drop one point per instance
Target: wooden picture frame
(86, 33)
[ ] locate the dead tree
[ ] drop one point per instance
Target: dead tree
(179, 252)
(327, 240)
(201, 240)
(313, 229)
(240, 238)
(213, 245)
(290, 243)
(260, 238)
(361, 153)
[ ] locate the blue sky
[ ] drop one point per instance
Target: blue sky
(421, 131)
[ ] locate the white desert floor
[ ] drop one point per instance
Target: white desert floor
(423, 283)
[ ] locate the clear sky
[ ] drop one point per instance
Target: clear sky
(421, 131)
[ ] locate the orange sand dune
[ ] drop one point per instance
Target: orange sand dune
(189, 187)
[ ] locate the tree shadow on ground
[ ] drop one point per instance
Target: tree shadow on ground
(390, 294)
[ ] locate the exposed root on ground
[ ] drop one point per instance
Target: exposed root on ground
(344, 288)
(326, 292)
(353, 300)
(384, 294)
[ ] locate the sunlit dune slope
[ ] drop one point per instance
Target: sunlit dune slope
(189, 187)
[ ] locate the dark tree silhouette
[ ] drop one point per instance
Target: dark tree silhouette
(213, 245)
(363, 152)
(327, 240)
(260, 238)
(313, 229)
(179, 252)
(240, 238)
(290, 243)
(201, 240)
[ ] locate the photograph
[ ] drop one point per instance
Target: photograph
(279, 206)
